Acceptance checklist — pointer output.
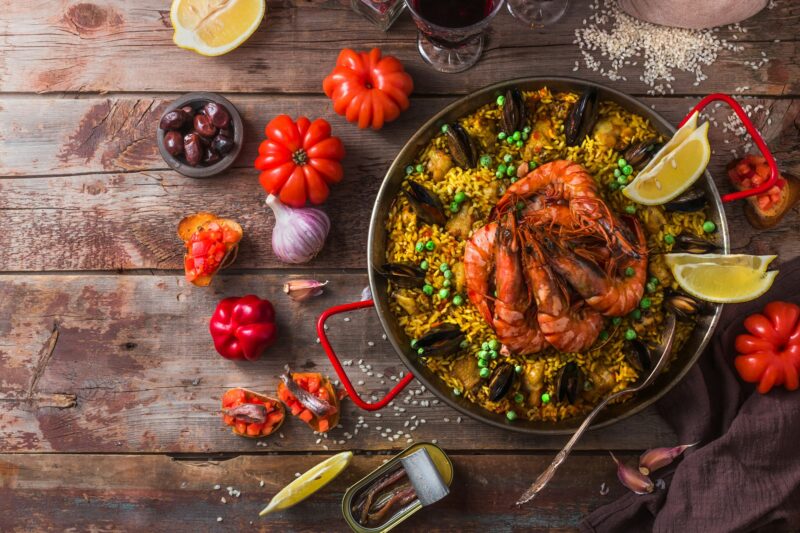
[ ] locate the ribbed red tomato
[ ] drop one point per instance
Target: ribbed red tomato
(367, 88)
(298, 160)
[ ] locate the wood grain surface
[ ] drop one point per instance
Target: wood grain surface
(109, 384)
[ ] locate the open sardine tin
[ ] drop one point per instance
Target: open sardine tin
(427, 466)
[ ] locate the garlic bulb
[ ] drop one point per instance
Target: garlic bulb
(299, 233)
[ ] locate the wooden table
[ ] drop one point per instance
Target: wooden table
(109, 384)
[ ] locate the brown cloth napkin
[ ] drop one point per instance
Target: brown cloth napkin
(745, 473)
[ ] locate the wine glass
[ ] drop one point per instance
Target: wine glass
(451, 32)
(537, 13)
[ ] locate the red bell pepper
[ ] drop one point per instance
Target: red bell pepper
(770, 353)
(242, 328)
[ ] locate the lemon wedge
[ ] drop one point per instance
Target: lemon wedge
(308, 483)
(755, 262)
(681, 135)
(215, 27)
(674, 173)
(721, 283)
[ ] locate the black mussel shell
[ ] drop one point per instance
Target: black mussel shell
(684, 306)
(693, 200)
(501, 381)
(569, 383)
(514, 113)
(640, 356)
(639, 154)
(462, 146)
(582, 117)
(441, 340)
(693, 244)
(404, 275)
(425, 203)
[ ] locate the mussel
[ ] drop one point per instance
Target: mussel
(426, 204)
(692, 200)
(570, 382)
(582, 117)
(501, 381)
(684, 306)
(693, 244)
(640, 356)
(462, 146)
(441, 340)
(514, 114)
(639, 154)
(405, 275)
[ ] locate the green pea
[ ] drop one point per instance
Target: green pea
(709, 226)
(654, 280)
(501, 135)
(414, 344)
(532, 165)
(545, 398)
(444, 267)
(636, 314)
(513, 180)
(456, 392)
(493, 344)
(517, 136)
(519, 398)
(630, 272)
(520, 205)
(424, 265)
(650, 287)
(604, 335)
(484, 372)
(493, 354)
(482, 363)
(483, 354)
(499, 173)
(410, 169)
(430, 246)
(627, 170)
(525, 135)
(519, 143)
(526, 129)
(446, 283)
(507, 158)
(464, 344)
(427, 289)
(454, 207)
(420, 351)
(448, 274)
(645, 303)
(501, 100)
(613, 185)
(485, 346)
(460, 197)
(511, 415)
(420, 247)
(630, 209)
(621, 162)
(518, 369)
(444, 293)
(486, 160)
(458, 299)
(501, 168)
(669, 238)
(630, 334)
(419, 168)
(511, 170)
(617, 173)
(445, 127)
(622, 180)
(616, 321)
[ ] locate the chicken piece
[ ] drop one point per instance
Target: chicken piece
(460, 224)
(459, 276)
(465, 370)
(533, 381)
(439, 163)
(407, 301)
(654, 219)
(602, 381)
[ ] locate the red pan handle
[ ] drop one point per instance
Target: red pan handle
(754, 134)
(323, 339)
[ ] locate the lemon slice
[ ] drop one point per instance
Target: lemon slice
(675, 173)
(677, 139)
(723, 283)
(215, 27)
(309, 483)
(755, 262)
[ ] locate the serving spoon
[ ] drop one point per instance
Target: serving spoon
(545, 477)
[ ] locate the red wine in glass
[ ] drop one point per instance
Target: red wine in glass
(454, 13)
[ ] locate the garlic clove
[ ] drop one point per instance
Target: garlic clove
(632, 478)
(301, 290)
(656, 458)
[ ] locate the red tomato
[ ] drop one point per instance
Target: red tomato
(770, 353)
(298, 160)
(368, 89)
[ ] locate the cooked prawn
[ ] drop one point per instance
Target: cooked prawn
(568, 327)
(514, 313)
(478, 269)
(612, 294)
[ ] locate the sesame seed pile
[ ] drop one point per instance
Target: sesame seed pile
(611, 40)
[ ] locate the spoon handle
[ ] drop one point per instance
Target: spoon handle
(545, 477)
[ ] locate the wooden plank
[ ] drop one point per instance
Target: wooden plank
(127, 220)
(133, 369)
(156, 493)
(124, 46)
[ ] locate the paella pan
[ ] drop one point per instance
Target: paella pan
(487, 335)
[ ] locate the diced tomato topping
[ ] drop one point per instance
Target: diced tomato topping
(228, 420)
(233, 397)
(306, 416)
(254, 429)
(274, 418)
(763, 201)
(267, 429)
(296, 408)
(241, 427)
(313, 384)
(323, 425)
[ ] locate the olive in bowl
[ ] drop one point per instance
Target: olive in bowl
(200, 134)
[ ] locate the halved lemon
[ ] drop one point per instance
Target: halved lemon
(215, 27)
(755, 262)
(308, 483)
(723, 283)
(674, 173)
